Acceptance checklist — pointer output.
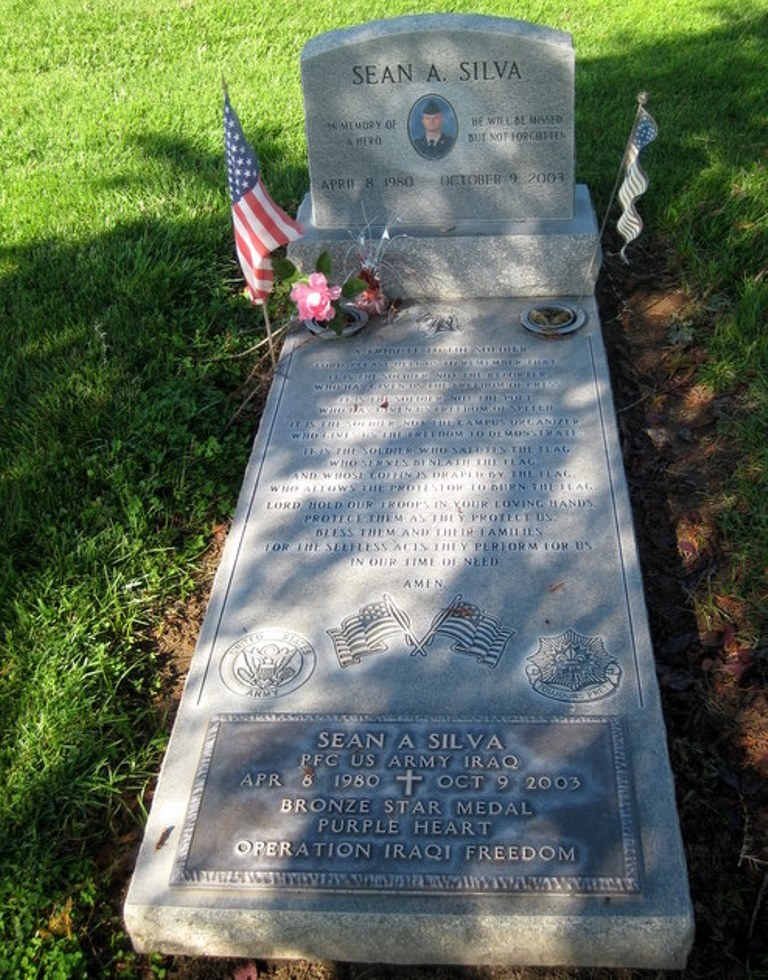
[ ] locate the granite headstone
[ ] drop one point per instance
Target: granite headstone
(492, 208)
(399, 112)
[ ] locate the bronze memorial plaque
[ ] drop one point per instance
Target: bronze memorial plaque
(365, 804)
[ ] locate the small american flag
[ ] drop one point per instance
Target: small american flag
(260, 225)
(365, 633)
(635, 181)
(475, 633)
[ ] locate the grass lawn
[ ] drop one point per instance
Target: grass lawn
(121, 310)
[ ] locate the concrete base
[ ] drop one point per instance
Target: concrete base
(469, 937)
(473, 259)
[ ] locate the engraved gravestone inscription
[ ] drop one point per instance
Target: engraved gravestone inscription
(369, 803)
(437, 119)
(424, 683)
(422, 723)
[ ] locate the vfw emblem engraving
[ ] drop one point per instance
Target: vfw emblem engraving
(572, 667)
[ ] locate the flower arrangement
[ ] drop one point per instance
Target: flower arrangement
(370, 254)
(372, 298)
(319, 301)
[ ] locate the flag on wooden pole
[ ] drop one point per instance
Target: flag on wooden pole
(635, 181)
(260, 225)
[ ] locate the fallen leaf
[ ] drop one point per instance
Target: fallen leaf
(162, 840)
(675, 680)
(738, 664)
(735, 670)
(760, 762)
(60, 923)
(679, 644)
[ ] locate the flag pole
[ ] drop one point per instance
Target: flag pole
(642, 100)
(270, 335)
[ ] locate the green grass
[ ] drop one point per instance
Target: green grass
(119, 298)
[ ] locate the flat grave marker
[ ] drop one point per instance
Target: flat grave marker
(422, 722)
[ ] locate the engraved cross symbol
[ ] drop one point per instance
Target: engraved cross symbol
(409, 778)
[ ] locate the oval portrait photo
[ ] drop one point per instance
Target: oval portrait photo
(432, 127)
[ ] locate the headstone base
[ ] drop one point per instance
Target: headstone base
(468, 935)
(472, 259)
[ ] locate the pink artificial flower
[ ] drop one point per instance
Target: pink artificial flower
(373, 301)
(314, 299)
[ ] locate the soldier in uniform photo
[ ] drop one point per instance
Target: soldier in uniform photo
(433, 128)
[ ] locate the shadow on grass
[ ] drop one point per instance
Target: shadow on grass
(115, 461)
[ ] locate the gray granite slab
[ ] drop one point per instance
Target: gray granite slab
(497, 94)
(422, 722)
(544, 257)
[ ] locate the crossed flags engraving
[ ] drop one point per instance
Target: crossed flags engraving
(474, 633)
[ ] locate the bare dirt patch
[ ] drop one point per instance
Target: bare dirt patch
(710, 664)
(176, 636)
